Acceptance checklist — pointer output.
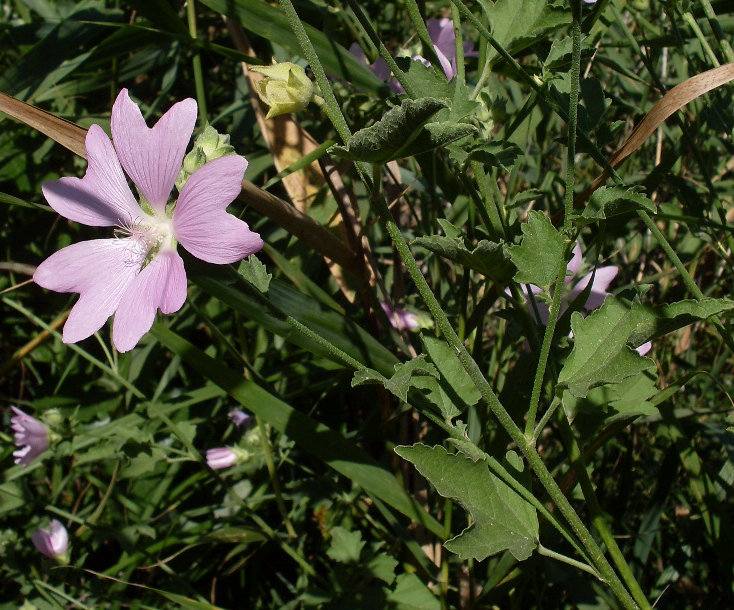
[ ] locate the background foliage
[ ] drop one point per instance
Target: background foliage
(326, 512)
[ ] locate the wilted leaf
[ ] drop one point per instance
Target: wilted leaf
(390, 137)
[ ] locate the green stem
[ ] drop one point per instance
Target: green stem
(546, 417)
(724, 45)
(598, 518)
(382, 49)
(693, 24)
(565, 559)
(198, 74)
(330, 104)
(490, 398)
(567, 226)
(459, 41)
(274, 481)
(687, 279)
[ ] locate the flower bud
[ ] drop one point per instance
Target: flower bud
(208, 145)
(285, 88)
(224, 457)
(31, 437)
(52, 542)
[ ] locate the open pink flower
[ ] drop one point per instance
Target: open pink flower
(31, 437)
(139, 271)
(52, 542)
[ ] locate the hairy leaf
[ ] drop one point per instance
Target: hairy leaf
(401, 380)
(502, 519)
(391, 137)
(538, 256)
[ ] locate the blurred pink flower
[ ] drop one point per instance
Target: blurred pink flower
(441, 32)
(239, 417)
(52, 542)
(400, 318)
(221, 457)
(602, 278)
(31, 436)
(139, 271)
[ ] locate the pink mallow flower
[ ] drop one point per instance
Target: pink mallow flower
(31, 437)
(139, 270)
(602, 278)
(52, 542)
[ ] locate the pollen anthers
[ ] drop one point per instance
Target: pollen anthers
(146, 235)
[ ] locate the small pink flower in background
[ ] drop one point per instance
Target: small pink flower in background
(239, 417)
(598, 292)
(139, 271)
(52, 542)
(31, 436)
(441, 32)
(221, 457)
(602, 278)
(399, 318)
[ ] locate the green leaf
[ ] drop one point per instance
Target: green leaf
(611, 403)
(255, 272)
(516, 24)
(600, 353)
(438, 135)
(538, 256)
(391, 137)
(460, 386)
(652, 322)
(432, 391)
(497, 153)
(283, 300)
(488, 258)
(412, 594)
(345, 546)
(341, 454)
(502, 520)
(401, 380)
(383, 566)
(613, 201)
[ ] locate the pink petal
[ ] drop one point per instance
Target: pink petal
(200, 220)
(441, 32)
(543, 310)
(575, 263)
(160, 285)
(152, 157)
(102, 198)
(644, 348)
(100, 271)
(602, 278)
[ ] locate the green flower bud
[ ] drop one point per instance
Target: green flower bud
(209, 145)
(285, 88)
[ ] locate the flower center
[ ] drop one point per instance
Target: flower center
(146, 235)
